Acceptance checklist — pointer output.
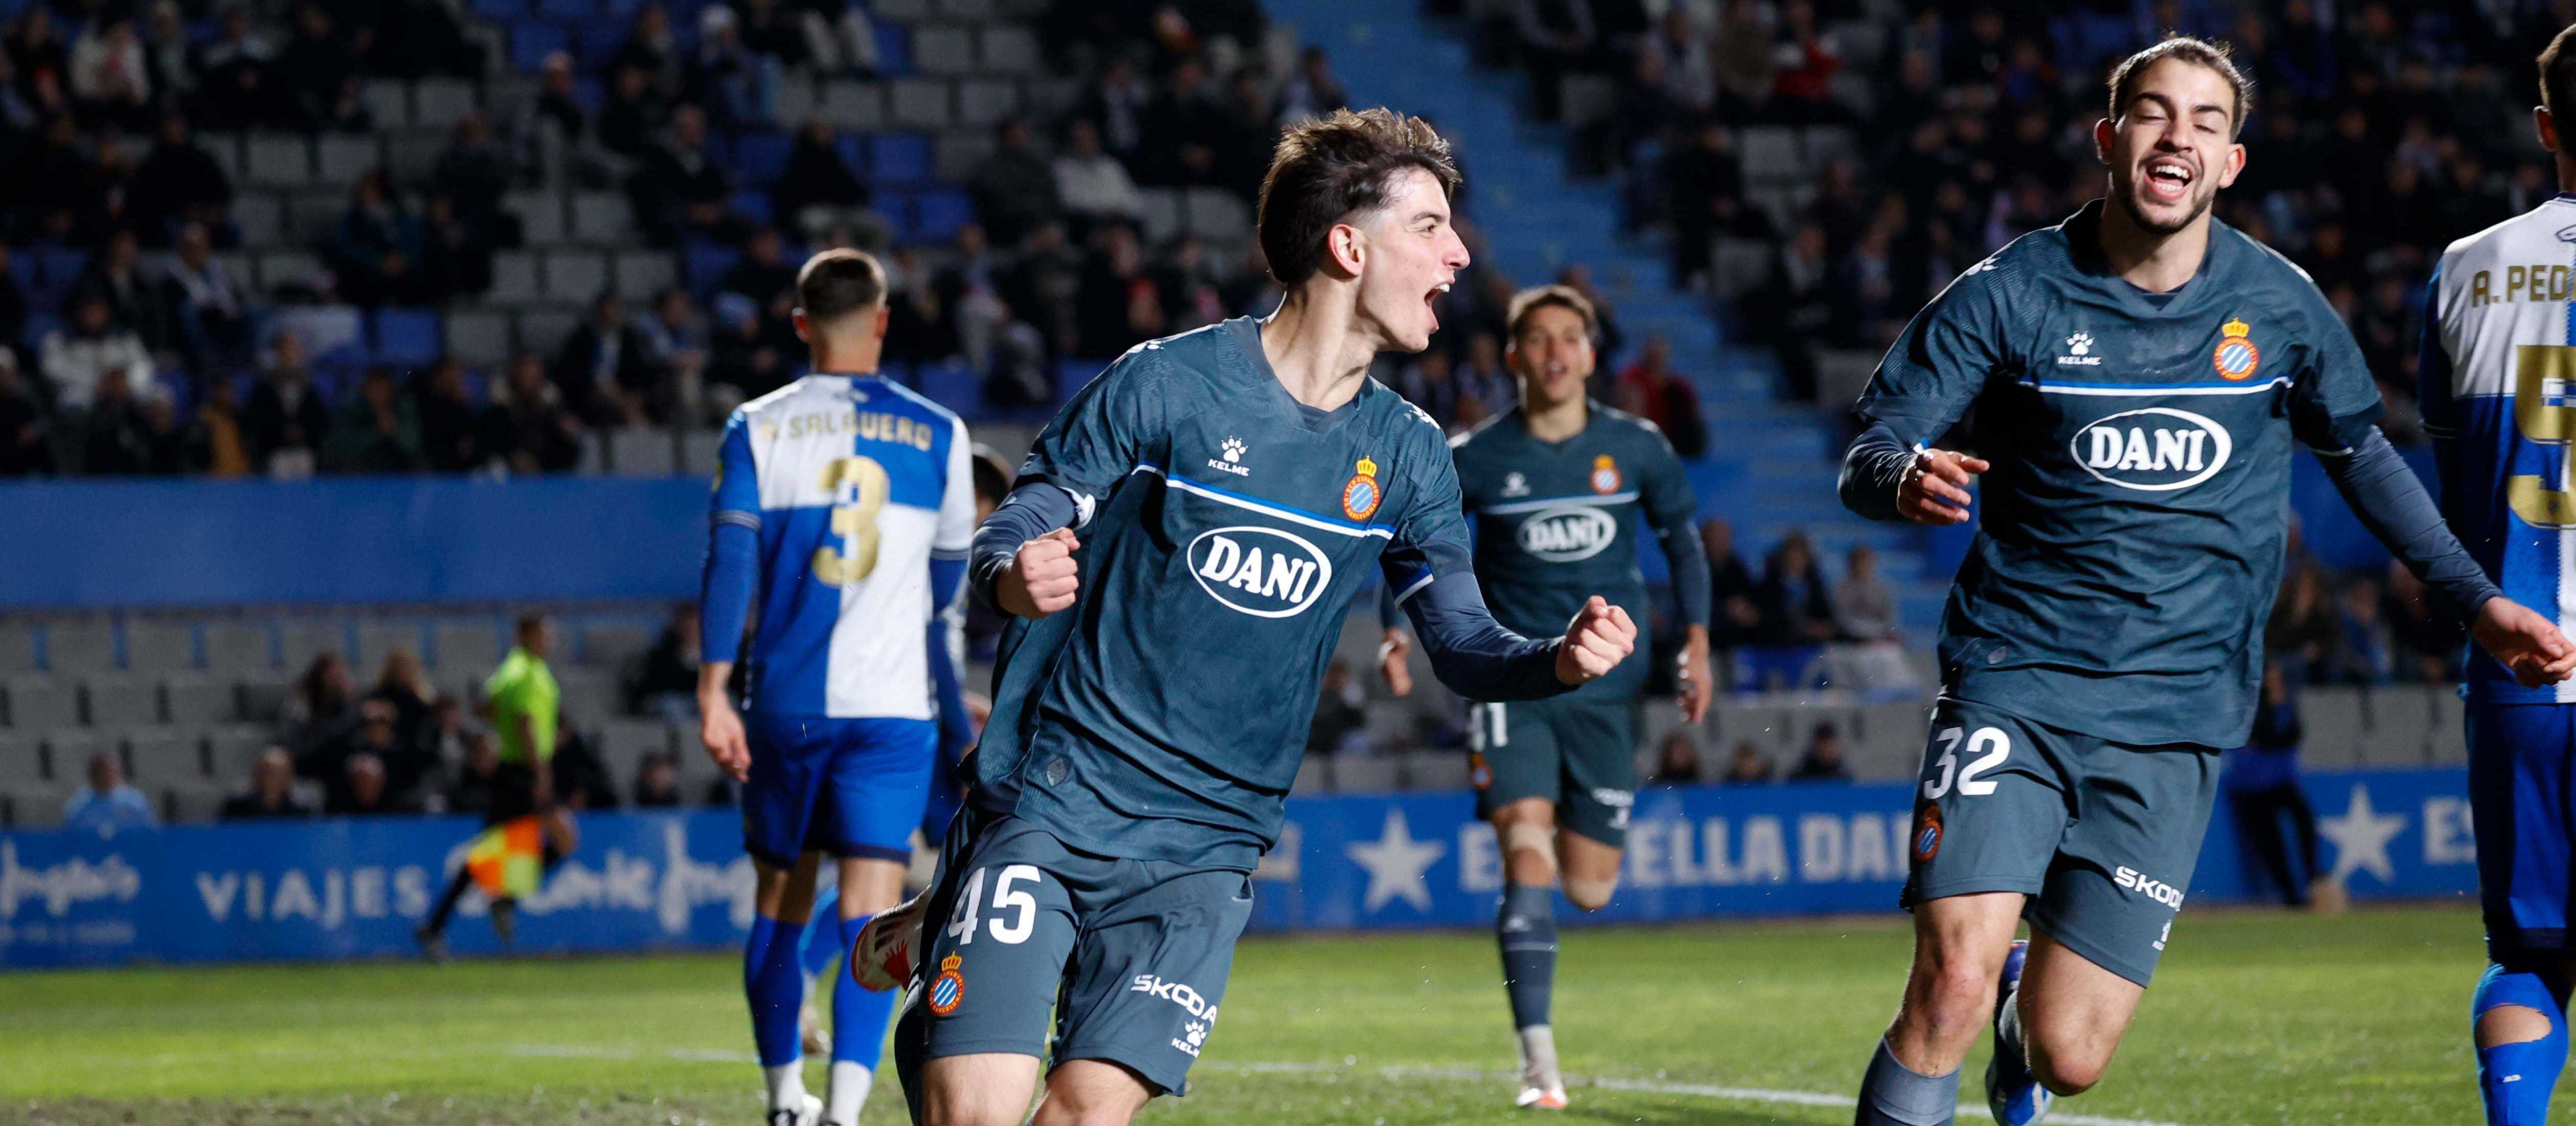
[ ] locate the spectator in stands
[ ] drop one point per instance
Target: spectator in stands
(558, 100)
(768, 279)
(743, 362)
(1341, 722)
(476, 781)
(166, 50)
(1678, 762)
(1013, 187)
(1705, 182)
(314, 65)
(213, 441)
(1116, 305)
(366, 790)
(737, 85)
(322, 698)
(666, 682)
(1864, 605)
(676, 337)
(1251, 131)
(473, 171)
(1093, 185)
(134, 299)
(375, 736)
(581, 779)
(1650, 389)
(177, 184)
(1116, 105)
(110, 80)
(237, 88)
(451, 734)
(2303, 629)
(1748, 767)
(633, 120)
(271, 795)
(451, 438)
(2427, 640)
(79, 356)
(1734, 595)
(1427, 382)
(119, 435)
(377, 431)
(817, 190)
(109, 804)
(1797, 607)
(285, 420)
(2362, 655)
(36, 49)
(24, 449)
(2262, 784)
(456, 252)
(774, 30)
(527, 426)
(403, 683)
(605, 369)
(1187, 131)
(657, 782)
(1554, 38)
(1824, 759)
(56, 184)
(1311, 92)
(378, 246)
(654, 52)
(1485, 387)
(206, 306)
(13, 304)
(677, 189)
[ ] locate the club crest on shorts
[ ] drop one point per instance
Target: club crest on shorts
(1478, 774)
(2236, 356)
(1927, 834)
(1605, 475)
(948, 988)
(1361, 493)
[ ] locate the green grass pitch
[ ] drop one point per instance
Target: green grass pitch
(2256, 1017)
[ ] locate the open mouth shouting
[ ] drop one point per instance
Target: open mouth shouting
(2167, 179)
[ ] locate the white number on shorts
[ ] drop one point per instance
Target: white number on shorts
(1971, 785)
(962, 926)
(1022, 905)
(1933, 788)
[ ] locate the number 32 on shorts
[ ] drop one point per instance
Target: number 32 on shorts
(1015, 911)
(1987, 749)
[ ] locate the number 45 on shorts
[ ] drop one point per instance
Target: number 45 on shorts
(1015, 911)
(1987, 749)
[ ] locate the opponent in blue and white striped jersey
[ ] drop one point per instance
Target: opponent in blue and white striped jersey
(2499, 362)
(859, 489)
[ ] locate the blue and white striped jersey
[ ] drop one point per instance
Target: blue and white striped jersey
(2499, 395)
(854, 485)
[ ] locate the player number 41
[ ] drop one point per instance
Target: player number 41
(1010, 929)
(1988, 749)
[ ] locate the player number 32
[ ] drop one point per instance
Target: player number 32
(1987, 749)
(1015, 911)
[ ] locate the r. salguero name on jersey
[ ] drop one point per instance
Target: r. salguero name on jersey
(1225, 528)
(2498, 368)
(2131, 532)
(853, 483)
(1557, 522)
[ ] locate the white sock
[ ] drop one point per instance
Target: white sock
(786, 1085)
(1538, 1057)
(850, 1082)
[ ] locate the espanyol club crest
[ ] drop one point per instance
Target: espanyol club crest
(1927, 834)
(1361, 493)
(1478, 774)
(948, 988)
(1605, 475)
(2236, 357)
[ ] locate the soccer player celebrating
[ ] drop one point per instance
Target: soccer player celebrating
(2497, 349)
(1231, 487)
(2138, 373)
(843, 509)
(1553, 485)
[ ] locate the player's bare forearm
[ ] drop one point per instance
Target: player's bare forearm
(719, 726)
(1394, 663)
(2524, 641)
(1695, 684)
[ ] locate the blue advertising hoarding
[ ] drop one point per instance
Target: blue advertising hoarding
(648, 881)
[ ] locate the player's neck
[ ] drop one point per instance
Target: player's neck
(2566, 172)
(1314, 345)
(2157, 263)
(1555, 422)
(850, 359)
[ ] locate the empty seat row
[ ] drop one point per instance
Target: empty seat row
(903, 103)
(87, 647)
(578, 276)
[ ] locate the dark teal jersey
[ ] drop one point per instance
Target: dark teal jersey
(1557, 522)
(1225, 528)
(2131, 531)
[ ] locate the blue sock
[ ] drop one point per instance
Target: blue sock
(1892, 1094)
(2515, 1079)
(775, 986)
(858, 1016)
(1526, 929)
(816, 946)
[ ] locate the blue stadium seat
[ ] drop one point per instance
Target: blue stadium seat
(702, 261)
(596, 42)
(407, 337)
(952, 385)
(624, 10)
(532, 40)
(753, 204)
(938, 213)
(894, 48)
(58, 267)
(39, 325)
(854, 152)
(760, 158)
(568, 9)
(503, 10)
(898, 158)
(22, 270)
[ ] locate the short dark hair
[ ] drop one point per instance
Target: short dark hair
(837, 283)
(1529, 301)
(1329, 168)
(2558, 73)
(2198, 52)
(527, 624)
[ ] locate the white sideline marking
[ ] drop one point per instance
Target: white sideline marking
(1459, 1074)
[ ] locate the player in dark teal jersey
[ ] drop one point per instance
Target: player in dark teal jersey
(1233, 487)
(1554, 488)
(2138, 374)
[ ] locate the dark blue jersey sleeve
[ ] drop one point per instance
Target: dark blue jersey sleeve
(2333, 399)
(1429, 567)
(1032, 509)
(1102, 434)
(1672, 511)
(1930, 376)
(2392, 503)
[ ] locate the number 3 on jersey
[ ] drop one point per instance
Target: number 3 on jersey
(858, 488)
(1989, 745)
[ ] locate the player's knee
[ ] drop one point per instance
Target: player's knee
(1590, 895)
(1059, 1110)
(1955, 995)
(2512, 1024)
(967, 1104)
(2068, 1069)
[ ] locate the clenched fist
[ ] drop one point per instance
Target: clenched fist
(1600, 637)
(1042, 578)
(1935, 489)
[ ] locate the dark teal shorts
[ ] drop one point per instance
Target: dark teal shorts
(1580, 754)
(1129, 956)
(2102, 836)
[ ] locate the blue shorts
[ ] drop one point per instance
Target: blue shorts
(2525, 811)
(849, 787)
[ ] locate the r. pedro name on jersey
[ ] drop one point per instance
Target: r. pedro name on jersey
(870, 426)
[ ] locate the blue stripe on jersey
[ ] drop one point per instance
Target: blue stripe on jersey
(2062, 387)
(1536, 503)
(1258, 504)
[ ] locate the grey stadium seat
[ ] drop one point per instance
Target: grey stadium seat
(79, 646)
(71, 748)
(614, 645)
(543, 330)
(122, 701)
(853, 105)
(1363, 774)
(1162, 213)
(1433, 770)
(1314, 776)
(260, 697)
(277, 160)
(22, 763)
(313, 216)
(919, 103)
(514, 277)
(955, 154)
(901, 11)
(986, 101)
(589, 695)
(237, 647)
(796, 102)
(479, 337)
(160, 646)
(191, 700)
(575, 276)
(441, 102)
(379, 637)
(412, 156)
(230, 751)
(643, 273)
(1008, 49)
(602, 217)
(288, 267)
(1215, 213)
(387, 101)
(166, 758)
(300, 640)
(194, 804)
(17, 648)
(698, 451)
(541, 216)
(339, 160)
(465, 645)
(969, 11)
(643, 452)
(259, 219)
(944, 49)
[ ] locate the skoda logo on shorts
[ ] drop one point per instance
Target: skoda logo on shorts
(1568, 532)
(1264, 572)
(2152, 449)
